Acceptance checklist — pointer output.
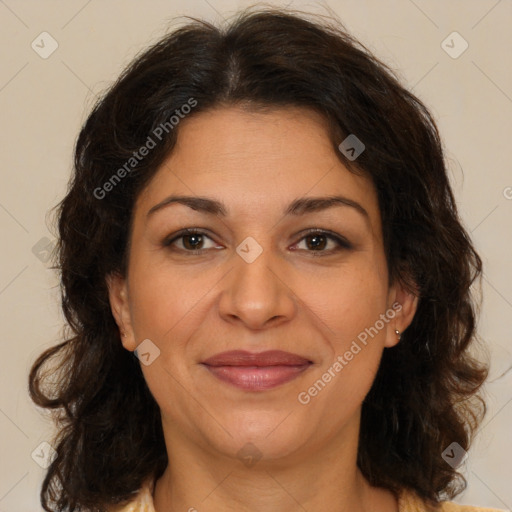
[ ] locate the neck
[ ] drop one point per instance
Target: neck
(316, 478)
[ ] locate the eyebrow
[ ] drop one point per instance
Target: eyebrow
(299, 206)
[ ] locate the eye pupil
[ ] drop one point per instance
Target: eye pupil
(316, 243)
(193, 245)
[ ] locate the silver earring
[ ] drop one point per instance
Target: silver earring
(397, 332)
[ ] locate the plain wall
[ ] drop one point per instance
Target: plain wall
(43, 103)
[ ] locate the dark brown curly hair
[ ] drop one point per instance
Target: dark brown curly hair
(425, 395)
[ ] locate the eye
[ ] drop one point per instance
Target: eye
(318, 241)
(189, 240)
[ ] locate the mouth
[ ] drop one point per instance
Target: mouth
(256, 372)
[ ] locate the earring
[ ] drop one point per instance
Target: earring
(398, 333)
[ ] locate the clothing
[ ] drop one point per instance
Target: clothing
(407, 502)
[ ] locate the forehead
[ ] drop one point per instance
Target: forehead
(257, 161)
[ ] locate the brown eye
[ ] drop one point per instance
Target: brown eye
(319, 241)
(189, 240)
(192, 241)
(315, 242)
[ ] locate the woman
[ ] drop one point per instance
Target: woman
(267, 285)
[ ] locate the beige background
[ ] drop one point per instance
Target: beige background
(44, 101)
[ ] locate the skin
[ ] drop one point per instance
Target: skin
(192, 306)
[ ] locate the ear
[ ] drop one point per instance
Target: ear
(404, 304)
(119, 304)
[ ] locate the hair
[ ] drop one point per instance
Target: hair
(425, 394)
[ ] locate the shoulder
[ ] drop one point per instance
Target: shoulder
(142, 501)
(449, 506)
(410, 502)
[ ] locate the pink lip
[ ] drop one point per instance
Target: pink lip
(256, 372)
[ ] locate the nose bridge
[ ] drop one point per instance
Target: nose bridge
(255, 292)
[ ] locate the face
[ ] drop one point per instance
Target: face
(273, 269)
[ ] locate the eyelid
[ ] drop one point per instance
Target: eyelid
(341, 241)
(186, 231)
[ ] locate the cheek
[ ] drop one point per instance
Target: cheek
(340, 393)
(355, 320)
(162, 301)
(349, 300)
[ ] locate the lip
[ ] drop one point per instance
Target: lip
(245, 358)
(256, 371)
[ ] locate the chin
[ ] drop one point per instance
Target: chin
(264, 434)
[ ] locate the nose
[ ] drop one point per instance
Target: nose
(257, 294)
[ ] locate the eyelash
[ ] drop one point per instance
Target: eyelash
(343, 244)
